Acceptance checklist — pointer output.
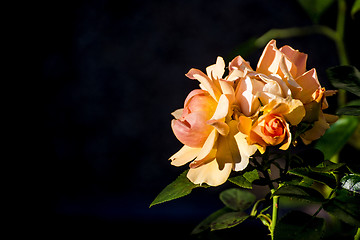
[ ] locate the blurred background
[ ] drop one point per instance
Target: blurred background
(109, 73)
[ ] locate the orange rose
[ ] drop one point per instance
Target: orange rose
(273, 126)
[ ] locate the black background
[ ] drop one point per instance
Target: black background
(107, 75)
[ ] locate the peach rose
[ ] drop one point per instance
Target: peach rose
(290, 65)
(272, 127)
(208, 129)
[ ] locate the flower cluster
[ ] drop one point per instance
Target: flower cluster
(230, 117)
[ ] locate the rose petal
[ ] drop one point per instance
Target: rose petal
(245, 124)
(184, 155)
(177, 113)
(228, 89)
(269, 60)
(309, 83)
(245, 150)
(208, 145)
(205, 82)
(220, 126)
(216, 71)
(287, 140)
(296, 57)
(210, 173)
(238, 63)
(222, 108)
(288, 77)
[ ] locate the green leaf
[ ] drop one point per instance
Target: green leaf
(349, 110)
(315, 8)
(228, 220)
(299, 192)
(179, 188)
(351, 183)
(321, 177)
(205, 224)
(345, 77)
(237, 199)
(345, 206)
(299, 226)
(352, 108)
(245, 180)
(327, 167)
(336, 136)
(355, 8)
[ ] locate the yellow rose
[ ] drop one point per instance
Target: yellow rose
(208, 128)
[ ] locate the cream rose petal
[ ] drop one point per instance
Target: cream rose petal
(177, 113)
(220, 126)
(222, 108)
(205, 82)
(216, 71)
(208, 145)
(210, 173)
(245, 149)
(184, 155)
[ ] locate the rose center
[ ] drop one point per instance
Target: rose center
(274, 127)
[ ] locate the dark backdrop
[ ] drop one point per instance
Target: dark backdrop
(109, 73)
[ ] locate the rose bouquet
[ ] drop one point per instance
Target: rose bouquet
(268, 126)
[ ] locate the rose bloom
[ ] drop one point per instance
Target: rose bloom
(208, 129)
(290, 65)
(272, 127)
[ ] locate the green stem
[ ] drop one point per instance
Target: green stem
(275, 208)
(357, 236)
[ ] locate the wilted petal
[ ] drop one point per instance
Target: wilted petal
(210, 173)
(184, 155)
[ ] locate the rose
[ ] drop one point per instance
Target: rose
(208, 128)
(290, 65)
(272, 127)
